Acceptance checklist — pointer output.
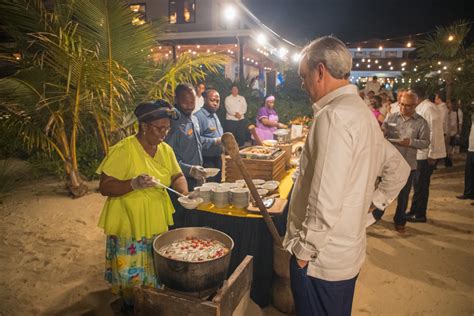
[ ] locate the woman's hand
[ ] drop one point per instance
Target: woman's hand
(143, 181)
(281, 125)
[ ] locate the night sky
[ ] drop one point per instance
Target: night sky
(357, 20)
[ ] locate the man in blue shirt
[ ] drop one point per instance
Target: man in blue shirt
(211, 131)
(184, 138)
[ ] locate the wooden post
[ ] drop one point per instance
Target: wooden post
(232, 149)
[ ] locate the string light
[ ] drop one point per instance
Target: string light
(389, 63)
(409, 44)
(439, 63)
(459, 68)
(391, 68)
(380, 47)
(358, 49)
(376, 61)
(357, 65)
(363, 60)
(445, 67)
(450, 38)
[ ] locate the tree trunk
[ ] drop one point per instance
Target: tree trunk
(74, 184)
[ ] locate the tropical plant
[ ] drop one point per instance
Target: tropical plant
(83, 60)
(443, 60)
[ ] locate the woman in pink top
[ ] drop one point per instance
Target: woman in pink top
(376, 104)
(267, 119)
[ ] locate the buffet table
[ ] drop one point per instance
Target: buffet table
(250, 235)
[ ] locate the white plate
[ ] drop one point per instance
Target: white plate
(190, 203)
(212, 172)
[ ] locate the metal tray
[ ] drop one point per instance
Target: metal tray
(272, 152)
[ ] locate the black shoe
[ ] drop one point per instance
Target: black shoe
(416, 219)
(409, 214)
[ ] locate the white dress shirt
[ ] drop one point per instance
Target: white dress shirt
(344, 153)
(443, 113)
(372, 86)
(199, 103)
(235, 104)
(437, 148)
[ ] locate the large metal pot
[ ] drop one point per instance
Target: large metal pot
(196, 277)
(282, 135)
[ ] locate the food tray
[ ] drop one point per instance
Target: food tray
(259, 152)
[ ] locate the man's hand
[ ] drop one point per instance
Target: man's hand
(238, 115)
(218, 141)
(372, 208)
(301, 263)
(405, 142)
(197, 172)
(432, 162)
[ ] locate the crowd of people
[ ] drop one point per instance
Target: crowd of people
(425, 130)
(348, 173)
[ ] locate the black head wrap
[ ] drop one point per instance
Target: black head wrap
(150, 111)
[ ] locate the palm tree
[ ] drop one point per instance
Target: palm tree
(442, 56)
(82, 60)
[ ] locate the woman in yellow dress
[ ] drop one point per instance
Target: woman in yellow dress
(136, 209)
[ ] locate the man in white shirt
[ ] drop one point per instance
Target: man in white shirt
(426, 158)
(236, 107)
(440, 101)
(469, 168)
(344, 153)
(373, 85)
(200, 88)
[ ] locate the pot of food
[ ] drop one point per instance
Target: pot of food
(192, 259)
(282, 135)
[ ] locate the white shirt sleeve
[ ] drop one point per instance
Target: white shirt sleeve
(437, 148)
(394, 174)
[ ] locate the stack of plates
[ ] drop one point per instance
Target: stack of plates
(220, 197)
(240, 197)
(205, 193)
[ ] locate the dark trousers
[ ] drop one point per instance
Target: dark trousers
(469, 175)
(314, 296)
(402, 201)
(421, 188)
(238, 129)
(213, 162)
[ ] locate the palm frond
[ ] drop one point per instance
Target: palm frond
(186, 68)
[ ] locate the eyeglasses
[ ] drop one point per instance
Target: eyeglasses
(161, 129)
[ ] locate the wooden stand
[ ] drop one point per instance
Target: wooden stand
(274, 169)
(226, 302)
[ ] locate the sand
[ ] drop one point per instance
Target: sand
(52, 256)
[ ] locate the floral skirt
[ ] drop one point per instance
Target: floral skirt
(129, 262)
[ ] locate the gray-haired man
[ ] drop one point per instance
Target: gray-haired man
(344, 153)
